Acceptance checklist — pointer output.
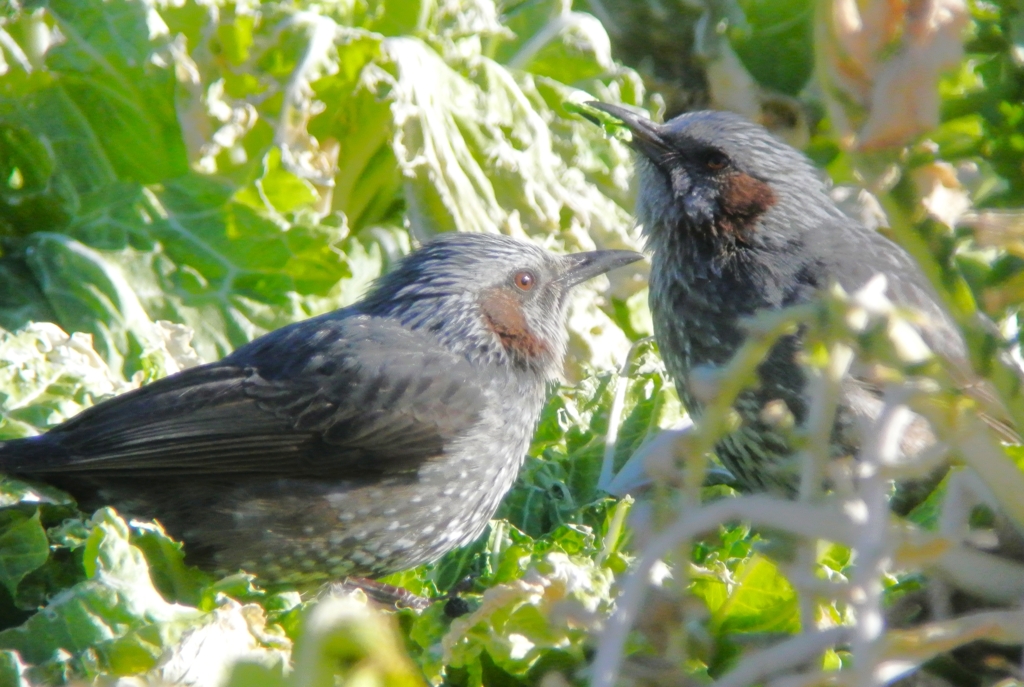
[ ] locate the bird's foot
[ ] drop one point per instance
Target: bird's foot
(397, 597)
(384, 594)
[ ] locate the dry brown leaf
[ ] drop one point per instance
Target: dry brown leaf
(998, 228)
(884, 59)
(905, 100)
(862, 30)
(941, 192)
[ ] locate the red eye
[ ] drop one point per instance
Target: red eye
(716, 160)
(524, 280)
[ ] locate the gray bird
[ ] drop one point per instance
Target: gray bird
(365, 441)
(739, 222)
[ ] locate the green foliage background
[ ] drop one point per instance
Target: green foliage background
(233, 167)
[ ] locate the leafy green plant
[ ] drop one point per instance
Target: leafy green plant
(178, 177)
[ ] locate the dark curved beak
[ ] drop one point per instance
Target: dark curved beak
(579, 267)
(647, 136)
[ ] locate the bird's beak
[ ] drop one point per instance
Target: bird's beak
(647, 137)
(579, 267)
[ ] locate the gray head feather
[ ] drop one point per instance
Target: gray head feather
(462, 287)
(685, 195)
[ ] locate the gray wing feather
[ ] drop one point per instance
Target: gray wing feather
(323, 398)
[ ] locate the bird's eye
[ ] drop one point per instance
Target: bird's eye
(715, 160)
(524, 280)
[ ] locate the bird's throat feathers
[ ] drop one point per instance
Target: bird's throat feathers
(715, 223)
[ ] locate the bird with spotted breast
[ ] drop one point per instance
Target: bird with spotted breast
(358, 443)
(739, 222)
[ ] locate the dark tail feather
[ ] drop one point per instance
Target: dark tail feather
(37, 460)
(29, 457)
(10, 457)
(7, 462)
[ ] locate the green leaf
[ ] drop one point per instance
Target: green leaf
(515, 625)
(175, 580)
(116, 612)
(777, 45)
(927, 513)
(481, 159)
(553, 41)
(277, 189)
(108, 52)
(23, 547)
(89, 293)
(344, 641)
(12, 670)
(762, 601)
(47, 376)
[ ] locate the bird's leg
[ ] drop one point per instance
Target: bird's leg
(386, 594)
(398, 597)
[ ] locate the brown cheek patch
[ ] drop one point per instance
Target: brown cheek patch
(504, 315)
(743, 199)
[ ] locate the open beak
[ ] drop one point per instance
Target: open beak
(579, 267)
(647, 137)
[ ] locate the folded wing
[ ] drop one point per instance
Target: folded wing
(326, 398)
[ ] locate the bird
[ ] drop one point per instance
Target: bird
(358, 443)
(738, 222)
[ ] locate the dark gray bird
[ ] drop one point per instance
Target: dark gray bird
(738, 222)
(361, 442)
